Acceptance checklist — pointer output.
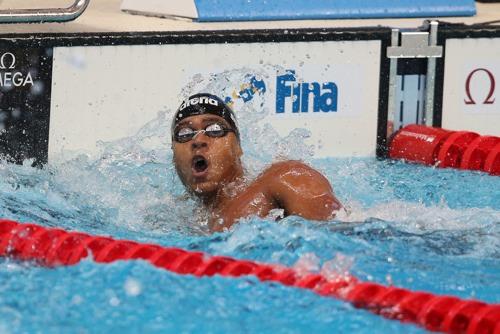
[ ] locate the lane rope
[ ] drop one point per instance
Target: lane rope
(446, 149)
(56, 247)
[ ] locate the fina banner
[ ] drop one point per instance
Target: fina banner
(329, 89)
(471, 98)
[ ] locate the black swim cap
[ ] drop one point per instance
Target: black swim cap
(204, 103)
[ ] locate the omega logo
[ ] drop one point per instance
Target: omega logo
(7, 58)
(12, 78)
(489, 98)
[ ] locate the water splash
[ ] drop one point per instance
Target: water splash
(340, 266)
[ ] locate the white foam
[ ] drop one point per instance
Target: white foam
(417, 218)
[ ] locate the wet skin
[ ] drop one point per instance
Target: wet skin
(211, 169)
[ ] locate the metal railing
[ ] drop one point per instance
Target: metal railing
(44, 14)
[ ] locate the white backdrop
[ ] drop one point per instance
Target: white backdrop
(471, 99)
(109, 92)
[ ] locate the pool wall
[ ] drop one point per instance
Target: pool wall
(68, 92)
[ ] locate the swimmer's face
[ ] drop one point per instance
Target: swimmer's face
(204, 164)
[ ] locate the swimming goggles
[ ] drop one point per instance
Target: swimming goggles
(214, 130)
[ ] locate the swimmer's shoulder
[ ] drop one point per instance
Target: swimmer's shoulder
(284, 175)
(287, 166)
(300, 190)
(290, 169)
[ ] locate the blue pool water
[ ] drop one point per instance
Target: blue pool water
(408, 225)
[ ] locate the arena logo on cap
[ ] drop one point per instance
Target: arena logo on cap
(12, 78)
(324, 95)
(198, 100)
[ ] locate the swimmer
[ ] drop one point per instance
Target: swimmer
(207, 157)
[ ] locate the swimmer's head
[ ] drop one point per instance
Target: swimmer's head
(205, 103)
(206, 146)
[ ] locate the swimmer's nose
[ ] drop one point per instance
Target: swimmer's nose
(198, 141)
(198, 144)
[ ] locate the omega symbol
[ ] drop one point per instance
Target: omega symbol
(489, 98)
(7, 61)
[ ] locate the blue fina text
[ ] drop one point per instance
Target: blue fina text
(322, 97)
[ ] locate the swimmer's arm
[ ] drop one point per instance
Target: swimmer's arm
(300, 190)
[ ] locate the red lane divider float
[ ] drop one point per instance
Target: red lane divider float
(444, 148)
(56, 247)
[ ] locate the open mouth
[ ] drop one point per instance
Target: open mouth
(200, 164)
